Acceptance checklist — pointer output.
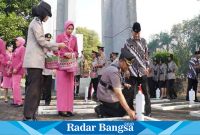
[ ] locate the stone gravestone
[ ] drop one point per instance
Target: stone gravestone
(84, 83)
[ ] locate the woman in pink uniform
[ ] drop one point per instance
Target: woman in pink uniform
(7, 71)
(65, 78)
(2, 55)
(18, 71)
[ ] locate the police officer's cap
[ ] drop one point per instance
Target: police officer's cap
(127, 56)
(48, 35)
(115, 53)
(171, 56)
(136, 27)
(94, 52)
(100, 47)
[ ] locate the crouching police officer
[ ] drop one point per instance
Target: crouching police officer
(109, 91)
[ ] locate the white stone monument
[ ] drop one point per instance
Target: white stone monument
(118, 17)
(65, 11)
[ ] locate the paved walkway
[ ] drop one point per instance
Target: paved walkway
(82, 112)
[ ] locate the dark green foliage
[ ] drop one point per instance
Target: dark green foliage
(183, 40)
(90, 41)
(15, 21)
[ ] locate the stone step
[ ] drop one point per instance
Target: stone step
(175, 105)
(155, 101)
(75, 107)
(89, 111)
(195, 113)
(76, 102)
(11, 97)
(55, 112)
(125, 118)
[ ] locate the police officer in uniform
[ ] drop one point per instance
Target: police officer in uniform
(100, 65)
(47, 78)
(109, 92)
(101, 61)
(114, 56)
(192, 75)
(171, 76)
(93, 75)
(151, 83)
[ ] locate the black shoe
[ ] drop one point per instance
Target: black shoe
(94, 97)
(47, 103)
(34, 118)
(13, 104)
(18, 105)
(148, 114)
(6, 101)
(70, 114)
(63, 114)
(172, 97)
(27, 119)
(196, 100)
(98, 112)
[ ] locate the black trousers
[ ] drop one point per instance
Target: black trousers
(33, 92)
(152, 87)
(129, 93)
(111, 109)
(192, 83)
(94, 82)
(129, 96)
(26, 82)
(170, 88)
(143, 80)
(77, 77)
(46, 88)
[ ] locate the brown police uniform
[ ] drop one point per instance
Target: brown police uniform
(111, 78)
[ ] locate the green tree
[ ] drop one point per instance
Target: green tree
(15, 16)
(161, 41)
(153, 44)
(183, 40)
(12, 26)
(187, 33)
(90, 41)
(20, 7)
(165, 40)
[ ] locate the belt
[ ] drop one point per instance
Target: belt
(107, 86)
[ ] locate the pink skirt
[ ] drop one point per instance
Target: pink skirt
(7, 82)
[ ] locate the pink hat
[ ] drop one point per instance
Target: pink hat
(21, 40)
(67, 23)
